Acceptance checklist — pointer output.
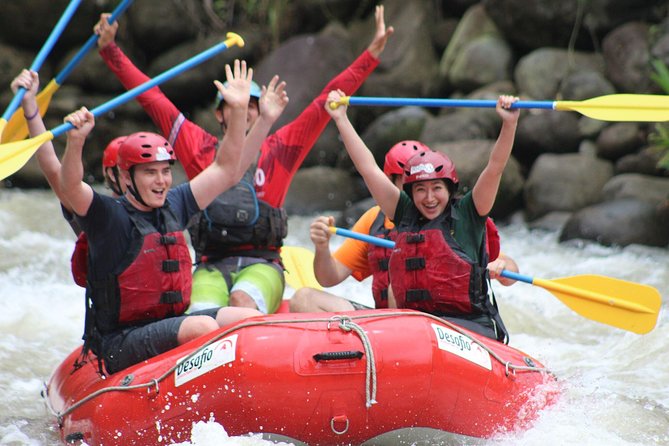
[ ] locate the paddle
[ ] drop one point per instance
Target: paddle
(299, 265)
(39, 59)
(17, 128)
(631, 306)
(14, 155)
(613, 107)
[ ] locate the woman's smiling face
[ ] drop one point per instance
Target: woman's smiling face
(430, 197)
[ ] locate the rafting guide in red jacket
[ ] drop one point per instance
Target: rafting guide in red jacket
(238, 239)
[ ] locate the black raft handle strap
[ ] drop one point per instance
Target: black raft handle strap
(332, 356)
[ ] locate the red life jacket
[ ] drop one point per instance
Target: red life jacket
(79, 260)
(492, 239)
(153, 283)
(430, 272)
(378, 259)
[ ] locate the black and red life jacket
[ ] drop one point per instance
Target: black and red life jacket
(79, 260)
(153, 282)
(378, 259)
(431, 272)
(237, 223)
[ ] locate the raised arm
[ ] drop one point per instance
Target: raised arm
(382, 189)
(46, 155)
(273, 101)
(227, 168)
(76, 193)
(487, 185)
(105, 30)
(381, 35)
(327, 270)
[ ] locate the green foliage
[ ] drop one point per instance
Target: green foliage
(661, 75)
(660, 136)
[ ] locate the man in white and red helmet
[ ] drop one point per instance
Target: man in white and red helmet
(140, 278)
(439, 262)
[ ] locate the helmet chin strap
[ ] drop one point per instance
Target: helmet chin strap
(116, 186)
(133, 189)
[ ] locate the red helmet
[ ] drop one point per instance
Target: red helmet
(429, 165)
(110, 155)
(142, 148)
(399, 154)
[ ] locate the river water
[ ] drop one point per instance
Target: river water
(616, 383)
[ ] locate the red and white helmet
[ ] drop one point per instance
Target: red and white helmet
(142, 148)
(110, 154)
(429, 165)
(399, 154)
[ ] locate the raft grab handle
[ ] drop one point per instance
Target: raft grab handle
(333, 356)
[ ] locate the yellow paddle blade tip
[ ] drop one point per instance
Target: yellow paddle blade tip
(14, 155)
(621, 107)
(623, 304)
(234, 39)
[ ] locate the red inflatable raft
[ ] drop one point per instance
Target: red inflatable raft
(321, 379)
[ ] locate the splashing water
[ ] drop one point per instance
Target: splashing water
(615, 383)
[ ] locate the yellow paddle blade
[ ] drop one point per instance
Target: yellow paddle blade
(17, 128)
(15, 155)
(619, 303)
(299, 264)
(621, 107)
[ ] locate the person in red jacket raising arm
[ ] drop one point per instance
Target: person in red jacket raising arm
(237, 239)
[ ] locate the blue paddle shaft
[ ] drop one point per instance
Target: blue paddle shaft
(389, 244)
(90, 43)
(41, 56)
(131, 94)
(382, 242)
(436, 102)
(516, 276)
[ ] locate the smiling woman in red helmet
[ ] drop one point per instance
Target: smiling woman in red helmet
(439, 261)
(360, 259)
(354, 258)
(140, 278)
